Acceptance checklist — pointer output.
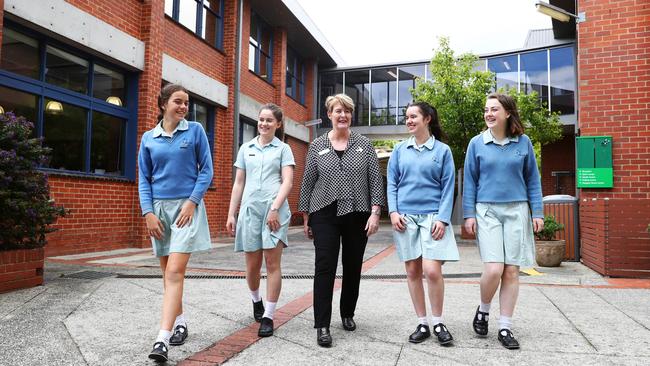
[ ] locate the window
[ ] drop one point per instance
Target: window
(247, 130)
(260, 48)
(383, 98)
(357, 86)
(295, 76)
(534, 74)
(203, 17)
(83, 108)
(407, 77)
(563, 80)
(505, 69)
(330, 84)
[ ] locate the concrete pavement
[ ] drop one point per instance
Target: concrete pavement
(103, 309)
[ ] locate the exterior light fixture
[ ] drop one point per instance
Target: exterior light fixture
(54, 107)
(558, 13)
(114, 100)
(391, 73)
(2, 110)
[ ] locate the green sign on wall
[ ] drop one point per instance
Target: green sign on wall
(594, 165)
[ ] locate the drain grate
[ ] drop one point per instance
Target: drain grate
(89, 275)
(293, 276)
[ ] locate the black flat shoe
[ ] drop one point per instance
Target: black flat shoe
(348, 324)
(179, 336)
(507, 339)
(441, 331)
(421, 333)
(480, 323)
(323, 337)
(159, 352)
(266, 327)
(258, 310)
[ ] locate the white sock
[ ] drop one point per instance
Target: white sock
(163, 336)
(484, 308)
(269, 309)
(255, 295)
(436, 320)
(505, 322)
(423, 320)
(180, 320)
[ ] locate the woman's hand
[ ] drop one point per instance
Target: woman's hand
(372, 226)
(272, 221)
(231, 225)
(155, 228)
(305, 226)
(538, 224)
(186, 214)
(399, 223)
(438, 230)
(470, 225)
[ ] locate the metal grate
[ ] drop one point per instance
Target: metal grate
(293, 276)
(89, 275)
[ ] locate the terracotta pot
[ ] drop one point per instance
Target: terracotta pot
(549, 253)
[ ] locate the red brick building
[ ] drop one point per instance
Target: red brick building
(88, 74)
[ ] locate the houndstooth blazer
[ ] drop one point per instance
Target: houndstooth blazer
(354, 180)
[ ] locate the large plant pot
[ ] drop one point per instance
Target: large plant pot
(549, 253)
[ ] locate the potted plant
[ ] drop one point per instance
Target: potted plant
(26, 210)
(549, 252)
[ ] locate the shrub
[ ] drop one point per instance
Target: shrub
(26, 210)
(550, 228)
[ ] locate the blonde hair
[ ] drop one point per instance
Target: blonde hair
(342, 99)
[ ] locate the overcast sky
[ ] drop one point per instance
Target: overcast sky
(381, 31)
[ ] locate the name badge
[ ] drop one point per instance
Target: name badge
(323, 152)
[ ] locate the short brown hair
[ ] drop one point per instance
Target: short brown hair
(514, 126)
(341, 99)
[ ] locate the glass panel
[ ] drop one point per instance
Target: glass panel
(407, 77)
(357, 86)
(64, 130)
(248, 132)
(19, 54)
(66, 70)
(251, 57)
(210, 28)
(107, 144)
(21, 104)
(330, 84)
(187, 14)
(506, 71)
(534, 74)
(108, 85)
(265, 66)
(384, 94)
(290, 86)
(265, 42)
(169, 7)
(563, 80)
(201, 115)
(253, 34)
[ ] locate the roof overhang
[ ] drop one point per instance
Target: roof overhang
(562, 30)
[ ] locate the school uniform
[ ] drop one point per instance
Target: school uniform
(173, 168)
(421, 189)
(263, 166)
(501, 187)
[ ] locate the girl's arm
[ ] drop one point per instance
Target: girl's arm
(235, 199)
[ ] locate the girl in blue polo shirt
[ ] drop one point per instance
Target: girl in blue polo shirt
(264, 178)
(420, 201)
(501, 188)
(175, 171)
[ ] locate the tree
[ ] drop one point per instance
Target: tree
(458, 90)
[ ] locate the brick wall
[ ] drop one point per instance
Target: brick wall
(124, 15)
(21, 268)
(559, 156)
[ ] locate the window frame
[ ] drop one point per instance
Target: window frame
(291, 72)
(262, 26)
(200, 8)
(43, 90)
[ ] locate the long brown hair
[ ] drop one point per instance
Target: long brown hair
(427, 110)
(514, 127)
(278, 114)
(166, 93)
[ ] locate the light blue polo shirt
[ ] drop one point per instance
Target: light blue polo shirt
(263, 167)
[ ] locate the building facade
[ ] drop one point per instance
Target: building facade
(88, 75)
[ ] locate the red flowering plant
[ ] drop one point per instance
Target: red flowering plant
(26, 209)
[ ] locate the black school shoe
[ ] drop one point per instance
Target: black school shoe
(441, 331)
(258, 310)
(266, 327)
(323, 337)
(507, 339)
(480, 323)
(348, 324)
(159, 352)
(179, 336)
(421, 333)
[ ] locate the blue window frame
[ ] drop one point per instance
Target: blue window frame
(83, 107)
(203, 17)
(260, 48)
(295, 76)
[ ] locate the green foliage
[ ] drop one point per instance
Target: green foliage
(458, 90)
(550, 228)
(26, 210)
(384, 144)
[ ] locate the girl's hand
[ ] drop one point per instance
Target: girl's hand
(470, 225)
(155, 227)
(272, 220)
(438, 230)
(538, 225)
(398, 221)
(231, 225)
(186, 214)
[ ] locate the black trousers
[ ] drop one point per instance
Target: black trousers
(330, 233)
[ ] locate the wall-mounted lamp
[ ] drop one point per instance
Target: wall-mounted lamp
(114, 100)
(391, 73)
(2, 110)
(559, 13)
(54, 107)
